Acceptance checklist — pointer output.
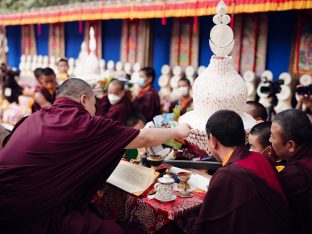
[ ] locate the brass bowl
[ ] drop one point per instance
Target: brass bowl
(155, 160)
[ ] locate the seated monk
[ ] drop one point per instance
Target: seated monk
(244, 196)
(147, 103)
(45, 97)
(185, 101)
(256, 110)
(291, 137)
(116, 105)
(56, 160)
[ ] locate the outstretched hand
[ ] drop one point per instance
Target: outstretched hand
(184, 130)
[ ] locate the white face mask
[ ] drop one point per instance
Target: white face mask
(183, 91)
(113, 99)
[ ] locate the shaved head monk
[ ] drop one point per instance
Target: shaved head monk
(291, 138)
(116, 105)
(256, 110)
(244, 196)
(58, 158)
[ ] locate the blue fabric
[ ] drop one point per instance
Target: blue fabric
(205, 53)
(161, 50)
(73, 39)
(15, 45)
(42, 40)
(111, 40)
(279, 41)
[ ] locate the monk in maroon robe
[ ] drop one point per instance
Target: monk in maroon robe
(45, 96)
(185, 100)
(244, 196)
(291, 137)
(57, 159)
(117, 104)
(147, 103)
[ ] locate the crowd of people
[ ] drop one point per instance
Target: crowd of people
(56, 159)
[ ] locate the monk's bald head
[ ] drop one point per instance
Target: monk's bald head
(79, 91)
(74, 88)
(118, 83)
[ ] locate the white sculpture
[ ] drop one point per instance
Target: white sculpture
(284, 99)
(219, 86)
(285, 95)
(90, 68)
(163, 82)
(189, 73)
(249, 77)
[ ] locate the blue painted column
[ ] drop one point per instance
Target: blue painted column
(73, 39)
(161, 50)
(205, 25)
(111, 39)
(280, 37)
(15, 45)
(42, 40)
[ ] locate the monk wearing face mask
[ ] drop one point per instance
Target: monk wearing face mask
(116, 105)
(185, 101)
(147, 103)
(45, 97)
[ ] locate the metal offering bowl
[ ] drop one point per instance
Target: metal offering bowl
(184, 177)
(155, 160)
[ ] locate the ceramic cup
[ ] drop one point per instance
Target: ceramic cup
(165, 188)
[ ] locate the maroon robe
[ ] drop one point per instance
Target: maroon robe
(53, 164)
(244, 197)
(47, 95)
(147, 104)
(296, 180)
(120, 112)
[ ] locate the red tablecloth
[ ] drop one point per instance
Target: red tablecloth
(149, 215)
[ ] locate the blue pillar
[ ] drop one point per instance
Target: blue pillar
(42, 40)
(15, 45)
(205, 52)
(280, 37)
(111, 40)
(73, 39)
(161, 50)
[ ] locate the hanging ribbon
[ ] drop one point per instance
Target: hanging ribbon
(232, 23)
(179, 40)
(195, 23)
(163, 19)
(137, 24)
(190, 43)
(80, 26)
(299, 31)
(256, 42)
(128, 40)
(241, 42)
(39, 29)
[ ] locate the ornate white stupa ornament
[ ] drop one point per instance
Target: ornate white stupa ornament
(90, 68)
(219, 86)
(250, 79)
(164, 82)
(221, 35)
(285, 95)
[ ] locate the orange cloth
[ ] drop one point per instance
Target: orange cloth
(227, 157)
(185, 102)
